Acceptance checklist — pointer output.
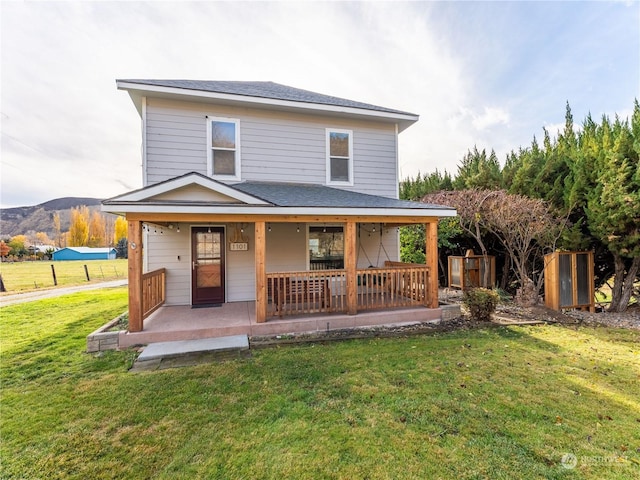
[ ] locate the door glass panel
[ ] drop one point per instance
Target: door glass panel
(208, 259)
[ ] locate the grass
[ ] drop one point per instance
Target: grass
(494, 403)
(24, 276)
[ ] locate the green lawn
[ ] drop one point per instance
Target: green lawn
(23, 276)
(495, 403)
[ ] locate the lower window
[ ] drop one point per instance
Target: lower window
(326, 248)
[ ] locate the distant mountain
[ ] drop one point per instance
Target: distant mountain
(39, 218)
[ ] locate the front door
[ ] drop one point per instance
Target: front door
(207, 253)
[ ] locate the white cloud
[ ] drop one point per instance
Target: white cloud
(490, 117)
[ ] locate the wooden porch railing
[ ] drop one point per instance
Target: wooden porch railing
(297, 293)
(325, 291)
(153, 291)
(398, 285)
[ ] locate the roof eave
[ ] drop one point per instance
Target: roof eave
(198, 209)
(137, 91)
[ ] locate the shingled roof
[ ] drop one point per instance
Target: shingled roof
(319, 196)
(267, 198)
(269, 90)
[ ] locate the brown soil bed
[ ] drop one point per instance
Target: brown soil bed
(507, 313)
(459, 323)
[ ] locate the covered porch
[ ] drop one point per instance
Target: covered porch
(278, 294)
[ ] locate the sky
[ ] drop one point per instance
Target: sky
(485, 74)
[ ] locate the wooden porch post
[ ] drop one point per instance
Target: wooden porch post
(134, 263)
(431, 251)
(261, 272)
(350, 255)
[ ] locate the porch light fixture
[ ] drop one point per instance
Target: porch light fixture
(374, 229)
(209, 229)
(178, 229)
(298, 229)
(324, 229)
(269, 229)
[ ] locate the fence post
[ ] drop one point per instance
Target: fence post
(86, 272)
(2, 289)
(53, 272)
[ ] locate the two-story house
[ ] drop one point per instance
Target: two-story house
(262, 193)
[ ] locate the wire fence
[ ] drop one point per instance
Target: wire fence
(24, 276)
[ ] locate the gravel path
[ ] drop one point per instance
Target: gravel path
(628, 319)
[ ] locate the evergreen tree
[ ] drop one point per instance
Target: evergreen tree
(591, 179)
(418, 187)
(478, 171)
(121, 248)
(613, 204)
(526, 170)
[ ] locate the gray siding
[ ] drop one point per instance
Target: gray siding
(286, 248)
(275, 146)
(241, 271)
(162, 251)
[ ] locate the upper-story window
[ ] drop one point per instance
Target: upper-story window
(339, 156)
(223, 148)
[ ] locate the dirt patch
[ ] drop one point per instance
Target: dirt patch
(119, 323)
(379, 331)
(507, 313)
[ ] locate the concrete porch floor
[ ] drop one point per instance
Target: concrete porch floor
(170, 323)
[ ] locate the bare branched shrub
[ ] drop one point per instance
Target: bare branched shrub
(526, 227)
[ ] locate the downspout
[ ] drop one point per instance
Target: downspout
(397, 190)
(397, 164)
(145, 234)
(144, 142)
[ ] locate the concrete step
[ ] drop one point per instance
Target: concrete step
(161, 355)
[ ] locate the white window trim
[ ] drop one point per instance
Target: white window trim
(238, 175)
(328, 131)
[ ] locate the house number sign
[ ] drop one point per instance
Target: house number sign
(239, 246)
